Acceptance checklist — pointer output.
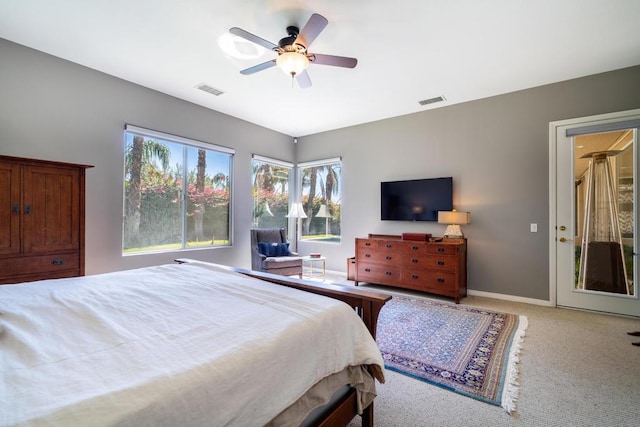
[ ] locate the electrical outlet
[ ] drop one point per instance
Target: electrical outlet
(534, 228)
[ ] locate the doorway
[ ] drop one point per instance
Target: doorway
(593, 213)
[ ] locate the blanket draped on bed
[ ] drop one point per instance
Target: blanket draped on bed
(168, 345)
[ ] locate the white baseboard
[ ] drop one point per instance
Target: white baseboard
(513, 298)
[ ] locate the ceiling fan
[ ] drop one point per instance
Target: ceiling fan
(293, 57)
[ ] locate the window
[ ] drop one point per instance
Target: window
(321, 198)
(177, 193)
(270, 192)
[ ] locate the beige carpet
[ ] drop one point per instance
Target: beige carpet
(576, 369)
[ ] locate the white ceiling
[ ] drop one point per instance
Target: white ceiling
(407, 50)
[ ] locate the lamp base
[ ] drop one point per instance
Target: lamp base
(453, 231)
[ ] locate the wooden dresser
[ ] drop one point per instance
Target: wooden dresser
(434, 267)
(42, 210)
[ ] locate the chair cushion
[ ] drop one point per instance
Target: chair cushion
(283, 262)
(273, 249)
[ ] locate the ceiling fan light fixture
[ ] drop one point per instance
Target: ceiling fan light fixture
(293, 57)
(292, 63)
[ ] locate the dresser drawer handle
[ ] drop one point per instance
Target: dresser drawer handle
(440, 249)
(368, 270)
(388, 273)
(389, 245)
(414, 260)
(15, 209)
(414, 276)
(388, 258)
(367, 244)
(440, 262)
(367, 255)
(440, 280)
(57, 261)
(415, 248)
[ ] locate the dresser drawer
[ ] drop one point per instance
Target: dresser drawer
(34, 265)
(409, 247)
(415, 260)
(442, 283)
(376, 273)
(442, 249)
(366, 244)
(441, 262)
(381, 257)
(429, 281)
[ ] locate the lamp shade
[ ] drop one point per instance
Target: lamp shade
(292, 63)
(296, 211)
(454, 217)
(323, 212)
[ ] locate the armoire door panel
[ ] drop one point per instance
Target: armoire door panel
(50, 209)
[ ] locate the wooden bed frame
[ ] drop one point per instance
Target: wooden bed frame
(367, 305)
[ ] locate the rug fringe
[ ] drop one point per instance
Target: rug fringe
(512, 386)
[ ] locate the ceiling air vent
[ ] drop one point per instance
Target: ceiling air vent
(432, 100)
(210, 89)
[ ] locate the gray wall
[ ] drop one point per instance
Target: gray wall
(496, 150)
(56, 110)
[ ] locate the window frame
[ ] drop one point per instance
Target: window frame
(185, 143)
(290, 184)
(300, 197)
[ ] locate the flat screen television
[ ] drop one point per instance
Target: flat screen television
(415, 200)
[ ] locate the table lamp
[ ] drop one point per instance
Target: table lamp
(453, 219)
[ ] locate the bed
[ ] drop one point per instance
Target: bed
(190, 344)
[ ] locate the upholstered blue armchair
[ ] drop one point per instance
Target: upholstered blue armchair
(270, 253)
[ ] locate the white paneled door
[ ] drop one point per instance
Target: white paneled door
(594, 214)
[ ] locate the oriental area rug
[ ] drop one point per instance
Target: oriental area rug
(464, 349)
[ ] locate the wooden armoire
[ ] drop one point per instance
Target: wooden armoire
(42, 212)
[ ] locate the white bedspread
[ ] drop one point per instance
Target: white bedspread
(167, 346)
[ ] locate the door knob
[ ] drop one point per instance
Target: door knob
(562, 239)
(562, 228)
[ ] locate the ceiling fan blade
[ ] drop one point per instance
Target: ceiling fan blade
(312, 28)
(304, 81)
(259, 67)
(253, 38)
(336, 61)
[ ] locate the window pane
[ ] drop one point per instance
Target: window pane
(207, 197)
(604, 175)
(270, 195)
(152, 195)
(159, 173)
(322, 201)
